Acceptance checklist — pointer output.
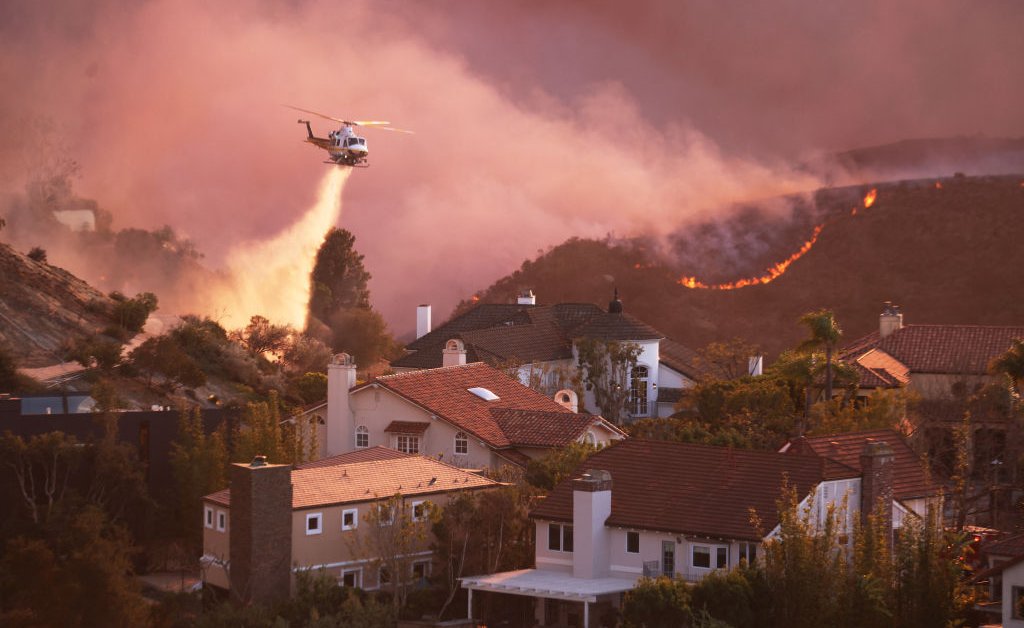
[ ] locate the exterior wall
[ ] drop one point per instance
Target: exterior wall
(546, 375)
(649, 357)
(216, 546)
(1013, 576)
(671, 378)
(940, 386)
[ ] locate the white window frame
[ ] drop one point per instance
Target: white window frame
(357, 581)
(406, 447)
(564, 531)
(390, 510)
(461, 443)
(362, 430)
(222, 521)
(319, 516)
(747, 551)
(208, 517)
(423, 510)
(712, 549)
(355, 518)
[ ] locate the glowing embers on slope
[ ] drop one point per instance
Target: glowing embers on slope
(774, 272)
(869, 200)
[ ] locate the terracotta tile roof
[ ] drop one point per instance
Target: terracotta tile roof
(501, 333)
(879, 362)
(909, 477)
(700, 490)
(1007, 546)
(407, 427)
(445, 393)
(873, 378)
(360, 455)
(941, 348)
(679, 358)
(529, 428)
(515, 456)
(366, 481)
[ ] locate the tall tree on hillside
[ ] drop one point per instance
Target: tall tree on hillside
(825, 334)
(1011, 364)
(338, 280)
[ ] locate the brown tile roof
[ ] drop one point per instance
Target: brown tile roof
(700, 490)
(679, 358)
(366, 481)
(360, 455)
(407, 427)
(1007, 546)
(909, 477)
(529, 428)
(952, 349)
(445, 393)
(501, 333)
(884, 365)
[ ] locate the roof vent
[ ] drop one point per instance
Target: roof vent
(258, 461)
(483, 393)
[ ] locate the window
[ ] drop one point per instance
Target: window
(313, 523)
(420, 570)
(710, 556)
(208, 517)
(349, 519)
(638, 392)
(633, 542)
(222, 521)
(419, 511)
(385, 515)
(1017, 596)
(408, 444)
(559, 537)
(668, 558)
(351, 577)
(461, 443)
(362, 437)
(702, 556)
(748, 552)
(591, 439)
(383, 576)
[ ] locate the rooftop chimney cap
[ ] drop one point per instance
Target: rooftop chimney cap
(615, 306)
(258, 461)
(890, 309)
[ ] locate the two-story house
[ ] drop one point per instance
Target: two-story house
(541, 341)
(648, 508)
(276, 520)
(472, 415)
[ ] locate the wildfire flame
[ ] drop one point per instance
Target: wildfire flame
(869, 200)
(770, 275)
(475, 298)
(938, 185)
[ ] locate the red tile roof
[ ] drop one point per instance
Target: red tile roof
(910, 480)
(529, 428)
(950, 349)
(407, 427)
(366, 481)
(445, 393)
(699, 490)
(1007, 546)
(359, 455)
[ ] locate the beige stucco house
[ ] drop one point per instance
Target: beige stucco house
(276, 520)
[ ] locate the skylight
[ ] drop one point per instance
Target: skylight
(483, 393)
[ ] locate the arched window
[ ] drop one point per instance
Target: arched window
(362, 437)
(591, 439)
(638, 392)
(461, 443)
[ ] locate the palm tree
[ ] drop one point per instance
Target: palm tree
(825, 333)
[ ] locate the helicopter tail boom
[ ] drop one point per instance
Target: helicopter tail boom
(309, 129)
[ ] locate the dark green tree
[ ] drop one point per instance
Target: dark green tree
(824, 334)
(556, 465)
(199, 464)
(1011, 364)
(657, 603)
(338, 280)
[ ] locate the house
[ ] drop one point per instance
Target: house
(472, 415)
(276, 520)
(647, 508)
(1004, 580)
(912, 488)
(541, 340)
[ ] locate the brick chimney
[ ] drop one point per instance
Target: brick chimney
(591, 507)
(341, 378)
(454, 353)
(890, 320)
(876, 464)
(260, 543)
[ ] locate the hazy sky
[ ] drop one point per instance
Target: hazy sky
(535, 120)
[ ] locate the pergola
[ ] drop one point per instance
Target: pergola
(547, 584)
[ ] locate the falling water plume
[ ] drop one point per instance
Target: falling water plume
(271, 277)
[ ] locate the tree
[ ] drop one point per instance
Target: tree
(131, 314)
(162, 355)
(338, 280)
(363, 334)
(261, 336)
(1011, 364)
(726, 360)
(557, 464)
(605, 367)
(393, 535)
(661, 602)
(824, 333)
(311, 387)
(37, 254)
(199, 465)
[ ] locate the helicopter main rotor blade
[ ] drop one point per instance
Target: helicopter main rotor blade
(317, 113)
(379, 124)
(391, 128)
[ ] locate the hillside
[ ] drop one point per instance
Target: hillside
(43, 307)
(946, 250)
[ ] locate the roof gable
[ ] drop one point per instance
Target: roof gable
(946, 349)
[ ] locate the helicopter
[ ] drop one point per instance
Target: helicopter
(344, 147)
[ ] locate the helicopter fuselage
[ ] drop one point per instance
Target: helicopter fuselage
(343, 146)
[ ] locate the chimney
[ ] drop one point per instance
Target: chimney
(890, 320)
(591, 507)
(755, 365)
(454, 353)
(422, 320)
(341, 378)
(568, 399)
(527, 298)
(876, 465)
(260, 534)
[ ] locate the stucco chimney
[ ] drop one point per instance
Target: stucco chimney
(890, 320)
(876, 464)
(591, 507)
(527, 298)
(341, 378)
(260, 532)
(422, 320)
(454, 353)
(568, 399)
(755, 365)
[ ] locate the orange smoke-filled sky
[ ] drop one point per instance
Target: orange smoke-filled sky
(535, 121)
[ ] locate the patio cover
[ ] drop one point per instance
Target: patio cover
(548, 584)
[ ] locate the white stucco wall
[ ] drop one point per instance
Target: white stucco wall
(1012, 577)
